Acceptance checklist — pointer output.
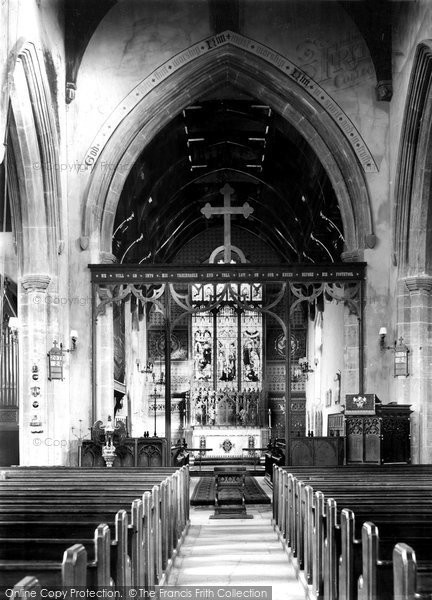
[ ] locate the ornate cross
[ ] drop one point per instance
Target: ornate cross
(227, 210)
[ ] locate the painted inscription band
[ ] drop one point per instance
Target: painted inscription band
(104, 274)
(277, 60)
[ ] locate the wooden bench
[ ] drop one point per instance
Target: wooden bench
(408, 578)
(178, 503)
(320, 530)
(158, 519)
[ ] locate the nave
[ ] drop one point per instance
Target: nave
(235, 553)
(341, 533)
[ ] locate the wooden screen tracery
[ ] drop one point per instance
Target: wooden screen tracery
(237, 354)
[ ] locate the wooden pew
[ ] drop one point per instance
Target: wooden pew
(56, 574)
(145, 537)
(397, 579)
(406, 585)
(158, 520)
(317, 542)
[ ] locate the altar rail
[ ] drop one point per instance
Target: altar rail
(350, 530)
(146, 537)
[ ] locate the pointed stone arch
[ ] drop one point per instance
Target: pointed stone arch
(34, 156)
(412, 238)
(34, 167)
(248, 70)
(413, 215)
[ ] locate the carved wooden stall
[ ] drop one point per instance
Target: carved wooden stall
(317, 451)
(132, 452)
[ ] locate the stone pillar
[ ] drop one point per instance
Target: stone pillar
(136, 362)
(350, 379)
(103, 369)
(419, 341)
(104, 362)
(33, 371)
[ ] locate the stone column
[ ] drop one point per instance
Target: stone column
(104, 362)
(419, 341)
(351, 354)
(103, 369)
(33, 371)
(351, 374)
(136, 363)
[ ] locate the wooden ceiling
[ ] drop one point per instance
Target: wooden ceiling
(235, 140)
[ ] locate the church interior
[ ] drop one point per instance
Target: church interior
(214, 275)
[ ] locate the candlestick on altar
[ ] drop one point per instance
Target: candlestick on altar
(269, 415)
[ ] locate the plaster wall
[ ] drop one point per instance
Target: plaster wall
(333, 388)
(328, 346)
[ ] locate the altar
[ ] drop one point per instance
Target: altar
(229, 442)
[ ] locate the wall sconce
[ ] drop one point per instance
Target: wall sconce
(74, 342)
(14, 325)
(148, 368)
(74, 339)
(382, 336)
(304, 365)
(382, 339)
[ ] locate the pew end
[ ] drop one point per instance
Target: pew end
(28, 587)
(74, 566)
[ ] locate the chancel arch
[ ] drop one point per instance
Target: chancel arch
(222, 120)
(247, 73)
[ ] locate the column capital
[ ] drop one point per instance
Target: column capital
(419, 283)
(353, 256)
(35, 282)
(107, 258)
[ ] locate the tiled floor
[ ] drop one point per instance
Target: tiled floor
(235, 552)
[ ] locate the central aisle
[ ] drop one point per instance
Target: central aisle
(232, 552)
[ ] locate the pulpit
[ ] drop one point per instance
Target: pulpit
(383, 437)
